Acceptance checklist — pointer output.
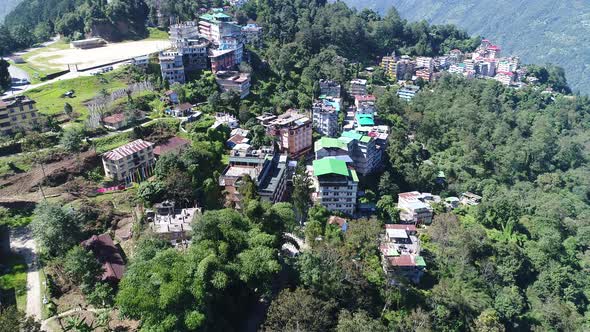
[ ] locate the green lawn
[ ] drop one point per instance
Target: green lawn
(105, 144)
(157, 34)
(15, 278)
(50, 98)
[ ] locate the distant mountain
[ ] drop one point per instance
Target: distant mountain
(6, 6)
(539, 31)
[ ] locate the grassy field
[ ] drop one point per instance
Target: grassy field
(15, 278)
(38, 67)
(50, 98)
(105, 144)
(157, 34)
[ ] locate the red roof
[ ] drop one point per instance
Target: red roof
(170, 145)
(127, 150)
(108, 255)
(364, 98)
(403, 260)
(115, 118)
(409, 228)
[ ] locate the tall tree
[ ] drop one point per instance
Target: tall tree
(302, 190)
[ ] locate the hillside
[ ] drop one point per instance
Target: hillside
(6, 6)
(540, 31)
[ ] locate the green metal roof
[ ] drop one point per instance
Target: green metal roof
(352, 134)
(329, 166)
(420, 261)
(330, 143)
(355, 176)
(365, 119)
(366, 139)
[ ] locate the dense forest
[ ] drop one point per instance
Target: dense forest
(539, 31)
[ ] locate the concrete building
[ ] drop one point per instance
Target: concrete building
(336, 185)
(358, 87)
(194, 53)
(265, 167)
(131, 162)
(172, 223)
(172, 67)
(183, 31)
(425, 62)
(415, 207)
(252, 34)
(173, 145)
(17, 114)
(222, 59)
(364, 151)
(293, 131)
(425, 74)
(404, 68)
(408, 92)
(388, 63)
(505, 78)
(225, 119)
(234, 81)
(400, 253)
(141, 61)
(214, 26)
(330, 88)
(88, 43)
(338, 148)
(325, 116)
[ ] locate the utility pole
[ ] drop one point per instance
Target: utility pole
(42, 180)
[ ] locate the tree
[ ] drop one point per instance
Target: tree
(13, 320)
(488, 321)
(150, 192)
(299, 310)
(68, 110)
(71, 140)
(358, 322)
(82, 267)
(55, 227)
(5, 80)
(302, 190)
(248, 190)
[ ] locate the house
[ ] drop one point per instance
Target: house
(236, 139)
(293, 131)
(172, 67)
(408, 92)
(172, 223)
(115, 121)
(233, 81)
(358, 87)
(335, 184)
(364, 101)
(414, 208)
(17, 113)
(265, 167)
(130, 162)
(180, 111)
(330, 88)
(325, 116)
(338, 221)
(225, 119)
(173, 145)
(141, 61)
(400, 253)
(108, 255)
(388, 63)
(172, 96)
(505, 78)
(468, 198)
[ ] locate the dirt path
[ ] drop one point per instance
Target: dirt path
(23, 243)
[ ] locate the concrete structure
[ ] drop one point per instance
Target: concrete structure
(194, 53)
(400, 253)
(88, 43)
(408, 92)
(338, 148)
(335, 184)
(130, 162)
(362, 99)
(17, 114)
(222, 59)
(293, 131)
(358, 87)
(234, 81)
(173, 145)
(227, 120)
(172, 67)
(366, 155)
(171, 223)
(388, 63)
(330, 89)
(414, 208)
(325, 116)
(217, 25)
(265, 167)
(141, 61)
(505, 78)
(179, 111)
(115, 121)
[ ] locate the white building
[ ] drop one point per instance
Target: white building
(325, 117)
(130, 162)
(234, 81)
(408, 92)
(358, 87)
(335, 185)
(172, 67)
(415, 207)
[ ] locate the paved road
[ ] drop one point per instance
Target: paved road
(23, 243)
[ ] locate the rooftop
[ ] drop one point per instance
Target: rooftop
(171, 144)
(127, 150)
(115, 118)
(108, 255)
(365, 119)
(330, 166)
(330, 143)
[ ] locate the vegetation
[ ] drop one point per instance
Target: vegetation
(14, 279)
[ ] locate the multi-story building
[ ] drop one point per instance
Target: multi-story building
(424, 73)
(415, 208)
(456, 56)
(358, 87)
(365, 99)
(194, 53)
(131, 162)
(325, 116)
(408, 92)
(252, 33)
(172, 67)
(335, 184)
(293, 131)
(222, 59)
(404, 68)
(400, 253)
(457, 68)
(364, 151)
(505, 78)
(183, 31)
(217, 25)
(388, 63)
(17, 114)
(425, 62)
(333, 147)
(329, 89)
(266, 168)
(234, 81)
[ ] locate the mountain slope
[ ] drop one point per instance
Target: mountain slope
(6, 6)
(539, 31)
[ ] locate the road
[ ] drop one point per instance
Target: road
(23, 243)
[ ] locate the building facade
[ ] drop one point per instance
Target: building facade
(17, 114)
(234, 81)
(335, 184)
(293, 131)
(130, 162)
(325, 118)
(172, 67)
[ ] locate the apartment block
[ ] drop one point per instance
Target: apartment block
(293, 131)
(408, 92)
(325, 116)
(234, 81)
(131, 162)
(330, 88)
(336, 185)
(172, 67)
(415, 207)
(17, 114)
(358, 87)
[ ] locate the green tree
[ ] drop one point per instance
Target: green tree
(55, 227)
(82, 267)
(5, 80)
(68, 110)
(302, 190)
(72, 140)
(13, 320)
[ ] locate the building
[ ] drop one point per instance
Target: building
(364, 151)
(17, 114)
(195, 53)
(214, 26)
(115, 121)
(222, 59)
(180, 111)
(173, 145)
(400, 253)
(358, 87)
(425, 62)
(338, 221)
(172, 67)
(183, 31)
(171, 223)
(252, 34)
(337, 148)
(225, 119)
(414, 208)
(336, 185)
(388, 63)
(234, 81)
(88, 43)
(266, 168)
(404, 68)
(172, 96)
(408, 92)
(130, 162)
(330, 89)
(325, 116)
(141, 61)
(505, 78)
(293, 131)
(425, 74)
(364, 99)
(108, 255)
(468, 198)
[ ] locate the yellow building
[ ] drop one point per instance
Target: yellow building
(389, 65)
(16, 114)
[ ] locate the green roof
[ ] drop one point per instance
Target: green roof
(420, 261)
(366, 139)
(352, 134)
(365, 119)
(355, 176)
(330, 166)
(330, 143)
